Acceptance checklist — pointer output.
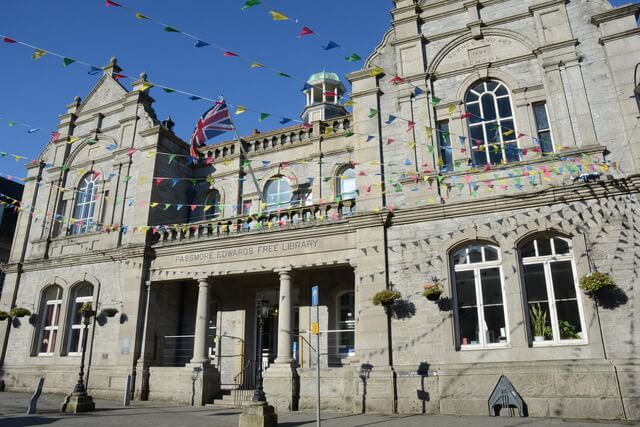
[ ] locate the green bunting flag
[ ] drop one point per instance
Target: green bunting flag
(171, 30)
(372, 112)
(435, 100)
(250, 3)
(263, 116)
(353, 58)
(168, 90)
(67, 61)
(284, 75)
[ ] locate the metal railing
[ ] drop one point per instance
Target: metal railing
(280, 219)
(244, 384)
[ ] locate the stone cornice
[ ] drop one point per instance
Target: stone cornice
(617, 13)
(618, 36)
(565, 194)
(417, 37)
(93, 257)
(362, 74)
(372, 91)
(546, 4)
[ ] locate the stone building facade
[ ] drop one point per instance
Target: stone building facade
(492, 151)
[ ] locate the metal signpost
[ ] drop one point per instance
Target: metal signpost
(315, 302)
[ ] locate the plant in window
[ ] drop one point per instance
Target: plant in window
(592, 283)
(568, 331)
(19, 312)
(432, 291)
(4, 315)
(386, 298)
(539, 321)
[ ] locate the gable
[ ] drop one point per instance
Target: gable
(107, 90)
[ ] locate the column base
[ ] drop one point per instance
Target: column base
(258, 414)
(282, 386)
(76, 403)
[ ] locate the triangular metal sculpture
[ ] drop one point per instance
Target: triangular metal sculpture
(505, 396)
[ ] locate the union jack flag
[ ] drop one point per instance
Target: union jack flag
(213, 122)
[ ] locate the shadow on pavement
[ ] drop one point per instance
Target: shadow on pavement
(27, 421)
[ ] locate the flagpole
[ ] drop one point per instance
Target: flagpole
(244, 153)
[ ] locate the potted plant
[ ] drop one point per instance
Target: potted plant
(539, 323)
(432, 291)
(386, 297)
(4, 315)
(594, 282)
(109, 312)
(19, 312)
(568, 331)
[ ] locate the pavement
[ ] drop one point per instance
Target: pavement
(111, 413)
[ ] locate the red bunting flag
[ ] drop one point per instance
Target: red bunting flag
(389, 141)
(8, 40)
(54, 136)
(108, 3)
(228, 53)
(410, 125)
(465, 115)
(118, 76)
(158, 181)
(396, 80)
(305, 32)
(131, 151)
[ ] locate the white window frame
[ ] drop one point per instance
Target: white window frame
(47, 331)
(80, 326)
(546, 260)
(85, 204)
(341, 179)
(538, 130)
(280, 204)
(339, 324)
(476, 267)
(483, 124)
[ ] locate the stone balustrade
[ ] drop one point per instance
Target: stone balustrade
(278, 219)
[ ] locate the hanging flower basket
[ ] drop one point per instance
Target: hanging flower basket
(19, 312)
(109, 312)
(432, 291)
(386, 297)
(594, 282)
(4, 315)
(87, 309)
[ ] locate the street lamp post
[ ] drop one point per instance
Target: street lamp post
(79, 400)
(258, 395)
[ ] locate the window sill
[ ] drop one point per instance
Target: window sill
(536, 344)
(478, 347)
(44, 355)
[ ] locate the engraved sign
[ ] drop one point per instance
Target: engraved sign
(252, 251)
(474, 52)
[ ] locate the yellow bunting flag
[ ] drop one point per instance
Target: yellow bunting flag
(141, 16)
(277, 16)
(429, 131)
(452, 109)
(207, 207)
(257, 65)
(145, 86)
(39, 53)
(153, 204)
(376, 71)
(73, 139)
(349, 103)
(240, 109)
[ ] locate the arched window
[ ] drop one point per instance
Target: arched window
(346, 183)
(491, 125)
(85, 204)
(277, 193)
(80, 294)
(551, 291)
(479, 296)
(346, 324)
(212, 206)
(50, 304)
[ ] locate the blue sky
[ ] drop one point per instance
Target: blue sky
(36, 92)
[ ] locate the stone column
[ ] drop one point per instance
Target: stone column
(200, 355)
(284, 319)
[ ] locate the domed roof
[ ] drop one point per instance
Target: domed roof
(324, 75)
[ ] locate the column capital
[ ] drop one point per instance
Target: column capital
(283, 270)
(203, 279)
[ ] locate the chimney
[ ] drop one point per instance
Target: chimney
(168, 124)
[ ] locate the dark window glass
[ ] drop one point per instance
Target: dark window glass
(491, 286)
(488, 106)
(528, 249)
(561, 246)
(544, 246)
(504, 107)
(535, 283)
(563, 283)
(465, 283)
(444, 145)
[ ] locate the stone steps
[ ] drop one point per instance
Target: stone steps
(228, 399)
